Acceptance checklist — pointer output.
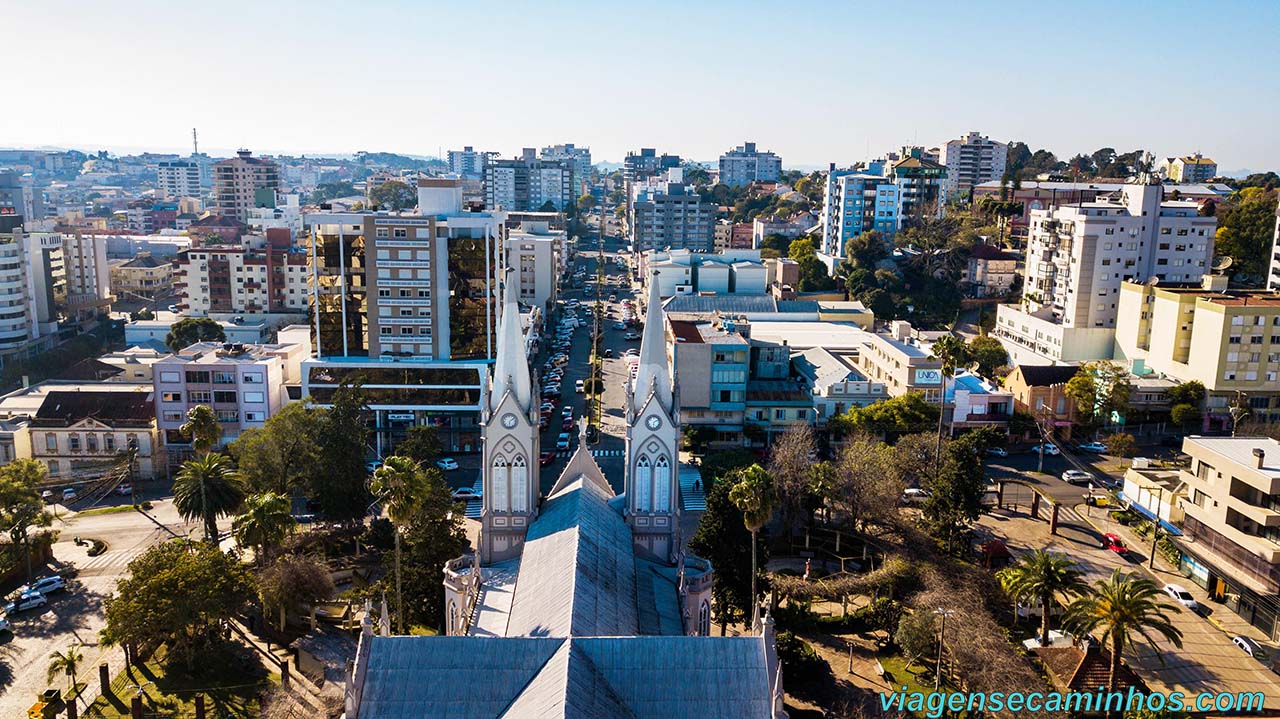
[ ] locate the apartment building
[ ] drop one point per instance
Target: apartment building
(1228, 340)
(900, 362)
(1230, 540)
(1191, 168)
(921, 185)
(468, 163)
(537, 254)
(20, 196)
(678, 272)
(712, 359)
(259, 275)
(244, 384)
(647, 163)
(834, 382)
(856, 200)
(528, 183)
(744, 165)
(665, 213)
(1079, 255)
(1273, 272)
(1040, 390)
(788, 227)
(88, 276)
(242, 183)
(578, 157)
(179, 178)
(733, 236)
(970, 161)
(143, 275)
(989, 271)
(32, 284)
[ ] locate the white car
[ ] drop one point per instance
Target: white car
(448, 464)
(579, 386)
(465, 493)
(1075, 476)
(1180, 595)
(1095, 447)
(30, 600)
(4, 626)
(1049, 449)
(1250, 647)
(914, 495)
(68, 494)
(997, 452)
(124, 489)
(45, 585)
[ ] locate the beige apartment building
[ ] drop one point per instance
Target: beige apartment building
(1228, 340)
(143, 275)
(242, 183)
(901, 364)
(256, 275)
(1231, 526)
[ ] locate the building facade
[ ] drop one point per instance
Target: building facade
(647, 163)
(179, 178)
(990, 271)
(242, 183)
(578, 157)
(537, 255)
(1192, 168)
(666, 213)
(528, 183)
(744, 165)
(257, 276)
(855, 201)
(144, 275)
(970, 161)
(468, 163)
(32, 283)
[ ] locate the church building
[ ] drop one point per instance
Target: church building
(582, 603)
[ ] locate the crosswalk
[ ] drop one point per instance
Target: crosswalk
(108, 562)
(566, 453)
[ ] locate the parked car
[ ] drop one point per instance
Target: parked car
(1180, 595)
(124, 489)
(613, 298)
(567, 411)
(631, 336)
(68, 494)
(47, 496)
(1049, 449)
(1114, 543)
(997, 452)
(914, 495)
(592, 433)
(448, 464)
(4, 626)
(1095, 447)
(608, 353)
(1250, 647)
(619, 325)
(1075, 476)
(24, 602)
(465, 493)
(546, 458)
(562, 442)
(44, 585)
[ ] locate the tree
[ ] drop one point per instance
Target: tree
(1246, 228)
(1043, 577)
(292, 580)
(397, 484)
(953, 353)
(892, 417)
(432, 535)
(202, 428)
(1185, 414)
(722, 538)
(190, 330)
(917, 636)
(207, 488)
(1099, 390)
(67, 663)
(1122, 444)
(790, 464)
(754, 495)
(1191, 393)
(265, 520)
(800, 248)
(326, 191)
(393, 195)
(547, 206)
(867, 485)
(284, 452)
(21, 508)
(955, 500)
(988, 354)
(179, 595)
(339, 484)
(586, 202)
(421, 444)
(813, 275)
(1123, 607)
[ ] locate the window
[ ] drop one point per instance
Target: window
(91, 442)
(224, 397)
(53, 466)
(406, 330)
(224, 377)
(73, 442)
(51, 442)
(381, 233)
(177, 376)
(644, 475)
(253, 416)
(109, 442)
(252, 379)
(197, 377)
(384, 330)
(401, 232)
(779, 414)
(171, 416)
(228, 415)
(201, 397)
(171, 396)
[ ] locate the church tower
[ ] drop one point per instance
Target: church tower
(510, 439)
(653, 443)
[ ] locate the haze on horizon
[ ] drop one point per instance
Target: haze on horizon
(838, 82)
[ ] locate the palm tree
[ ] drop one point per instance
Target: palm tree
(1043, 576)
(263, 522)
(753, 494)
(954, 355)
(205, 489)
(399, 483)
(1122, 607)
(202, 428)
(65, 663)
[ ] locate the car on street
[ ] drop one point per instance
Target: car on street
(619, 325)
(4, 626)
(546, 458)
(608, 353)
(465, 493)
(579, 386)
(448, 464)
(47, 496)
(68, 494)
(1095, 447)
(631, 336)
(1250, 647)
(1075, 476)
(914, 495)
(372, 465)
(562, 442)
(44, 585)
(1114, 543)
(613, 298)
(124, 489)
(24, 602)
(1179, 594)
(567, 411)
(1049, 449)
(592, 433)
(997, 452)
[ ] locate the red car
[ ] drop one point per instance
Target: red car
(546, 458)
(1114, 543)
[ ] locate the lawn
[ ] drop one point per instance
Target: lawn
(231, 685)
(919, 678)
(107, 510)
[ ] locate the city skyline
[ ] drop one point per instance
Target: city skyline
(808, 94)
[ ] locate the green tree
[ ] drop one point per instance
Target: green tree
(393, 195)
(1191, 393)
(67, 663)
(21, 508)
(722, 538)
(547, 206)
(1123, 607)
(1122, 444)
(586, 202)
(283, 453)
(202, 428)
(292, 580)
(813, 275)
(1099, 389)
(398, 484)
(178, 595)
(988, 355)
(1246, 229)
(1185, 414)
(754, 495)
(339, 485)
(890, 418)
(207, 488)
(955, 500)
(432, 535)
(917, 636)
(778, 243)
(326, 191)
(190, 330)
(263, 523)
(1043, 577)
(421, 444)
(800, 248)
(953, 353)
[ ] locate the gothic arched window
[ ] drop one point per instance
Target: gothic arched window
(519, 485)
(704, 619)
(498, 484)
(453, 617)
(662, 485)
(644, 476)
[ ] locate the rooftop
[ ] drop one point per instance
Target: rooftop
(1241, 451)
(27, 402)
(834, 336)
(64, 408)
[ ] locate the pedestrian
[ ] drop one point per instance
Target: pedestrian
(807, 566)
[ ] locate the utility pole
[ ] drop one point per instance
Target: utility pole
(1155, 532)
(942, 638)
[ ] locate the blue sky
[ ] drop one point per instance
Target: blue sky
(816, 82)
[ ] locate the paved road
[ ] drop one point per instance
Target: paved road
(76, 616)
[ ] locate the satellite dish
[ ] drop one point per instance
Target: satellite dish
(1223, 264)
(1152, 281)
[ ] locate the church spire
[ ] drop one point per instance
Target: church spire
(511, 369)
(652, 374)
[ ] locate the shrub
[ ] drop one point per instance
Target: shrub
(800, 663)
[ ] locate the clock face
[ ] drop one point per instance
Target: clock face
(508, 420)
(653, 422)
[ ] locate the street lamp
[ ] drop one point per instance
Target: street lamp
(942, 637)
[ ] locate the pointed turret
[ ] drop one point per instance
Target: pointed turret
(652, 374)
(511, 368)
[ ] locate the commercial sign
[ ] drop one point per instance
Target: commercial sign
(928, 376)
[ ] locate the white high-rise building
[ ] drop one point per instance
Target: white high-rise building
(468, 163)
(744, 164)
(579, 156)
(971, 161)
(32, 283)
(527, 183)
(180, 178)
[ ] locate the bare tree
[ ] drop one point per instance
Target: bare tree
(791, 465)
(867, 486)
(916, 457)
